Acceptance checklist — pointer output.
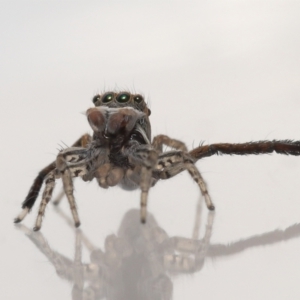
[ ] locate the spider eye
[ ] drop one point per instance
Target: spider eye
(138, 98)
(123, 97)
(107, 97)
(96, 99)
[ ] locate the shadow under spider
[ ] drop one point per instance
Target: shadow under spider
(139, 261)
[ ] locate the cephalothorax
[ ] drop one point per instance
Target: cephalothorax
(121, 152)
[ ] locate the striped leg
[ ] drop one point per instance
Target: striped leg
(69, 188)
(201, 183)
(173, 162)
(49, 186)
(145, 185)
(145, 157)
(33, 193)
(83, 142)
(70, 163)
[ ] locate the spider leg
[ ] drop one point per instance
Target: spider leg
(145, 159)
(68, 170)
(194, 172)
(83, 142)
(69, 163)
(287, 147)
(37, 184)
(33, 192)
(172, 163)
(160, 140)
(145, 184)
(49, 186)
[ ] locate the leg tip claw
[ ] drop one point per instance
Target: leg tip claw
(211, 207)
(17, 220)
(36, 228)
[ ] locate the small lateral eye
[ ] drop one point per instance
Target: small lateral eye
(96, 99)
(138, 98)
(123, 97)
(107, 97)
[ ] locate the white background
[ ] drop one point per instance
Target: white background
(213, 71)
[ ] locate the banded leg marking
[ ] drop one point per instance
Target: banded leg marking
(145, 185)
(28, 203)
(172, 163)
(68, 188)
(201, 183)
(49, 186)
(71, 164)
(147, 157)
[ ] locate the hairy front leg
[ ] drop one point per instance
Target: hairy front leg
(286, 147)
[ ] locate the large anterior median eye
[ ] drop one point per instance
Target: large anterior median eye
(123, 97)
(107, 97)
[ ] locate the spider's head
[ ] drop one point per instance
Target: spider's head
(122, 99)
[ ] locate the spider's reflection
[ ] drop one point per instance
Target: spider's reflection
(138, 263)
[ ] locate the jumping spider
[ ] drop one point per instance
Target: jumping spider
(120, 152)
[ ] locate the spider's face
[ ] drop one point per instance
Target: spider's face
(122, 99)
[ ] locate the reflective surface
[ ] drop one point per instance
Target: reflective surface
(218, 71)
(141, 260)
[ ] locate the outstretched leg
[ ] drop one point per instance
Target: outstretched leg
(37, 184)
(287, 147)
